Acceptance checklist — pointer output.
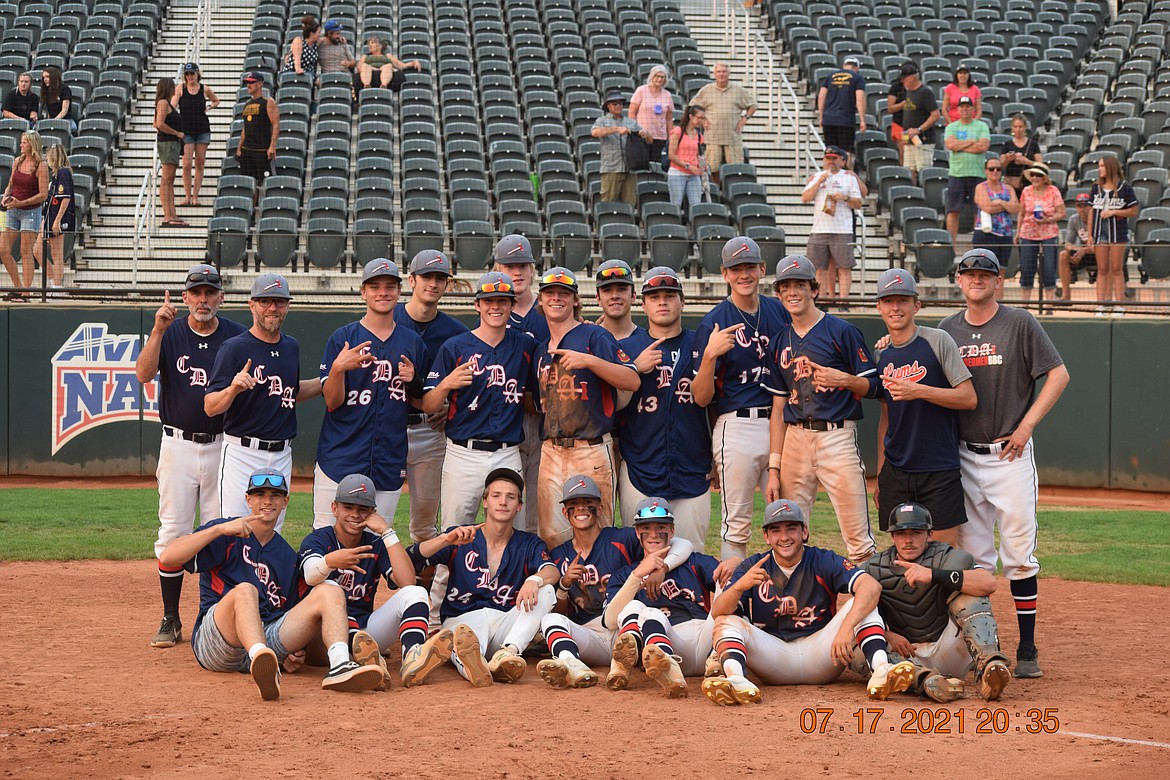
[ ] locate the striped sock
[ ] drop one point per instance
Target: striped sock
(733, 656)
(560, 642)
(629, 625)
(655, 634)
(413, 629)
(171, 584)
(1024, 593)
(872, 640)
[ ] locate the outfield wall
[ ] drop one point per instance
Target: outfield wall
(71, 405)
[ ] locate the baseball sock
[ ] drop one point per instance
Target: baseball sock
(733, 656)
(413, 629)
(1024, 593)
(655, 634)
(171, 584)
(872, 641)
(256, 648)
(338, 653)
(629, 625)
(560, 644)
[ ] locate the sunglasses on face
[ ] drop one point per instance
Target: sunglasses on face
(997, 169)
(617, 272)
(496, 286)
(268, 480)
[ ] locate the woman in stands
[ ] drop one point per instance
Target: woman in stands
(998, 206)
(56, 99)
(59, 213)
(1041, 212)
(378, 60)
(1019, 152)
(1114, 202)
(192, 100)
(28, 186)
(652, 107)
(170, 148)
(302, 53)
(685, 176)
(961, 86)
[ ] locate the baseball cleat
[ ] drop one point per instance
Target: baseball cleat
(471, 660)
(943, 689)
(731, 691)
(352, 677)
(367, 653)
(170, 632)
(994, 679)
(426, 657)
(665, 670)
(507, 666)
(713, 667)
(1027, 663)
(625, 658)
(567, 673)
(265, 670)
(889, 679)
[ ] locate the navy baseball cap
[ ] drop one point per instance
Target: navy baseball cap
(662, 278)
(191, 67)
(741, 250)
(558, 276)
(783, 511)
(896, 281)
(910, 517)
(834, 151)
(505, 473)
(253, 76)
(267, 478)
(909, 69)
(203, 275)
(653, 510)
(270, 286)
(494, 284)
(431, 261)
(332, 26)
(579, 486)
(380, 266)
(979, 260)
(614, 272)
(795, 267)
(356, 489)
(514, 249)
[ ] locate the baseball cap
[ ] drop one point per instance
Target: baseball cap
(558, 276)
(910, 517)
(514, 249)
(783, 511)
(203, 275)
(191, 67)
(267, 478)
(979, 260)
(661, 278)
(270, 286)
(332, 26)
(614, 272)
(380, 266)
(853, 61)
(253, 76)
(1084, 199)
(966, 101)
(614, 96)
(795, 267)
(896, 281)
(831, 151)
(504, 473)
(653, 510)
(741, 250)
(356, 489)
(579, 486)
(431, 261)
(909, 69)
(494, 284)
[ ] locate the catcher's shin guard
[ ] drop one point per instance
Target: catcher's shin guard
(973, 615)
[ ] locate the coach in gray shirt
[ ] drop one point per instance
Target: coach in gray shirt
(611, 129)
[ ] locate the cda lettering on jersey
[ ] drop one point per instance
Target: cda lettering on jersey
(980, 355)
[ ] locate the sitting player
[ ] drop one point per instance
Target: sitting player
(249, 615)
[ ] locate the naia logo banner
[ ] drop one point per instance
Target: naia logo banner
(94, 383)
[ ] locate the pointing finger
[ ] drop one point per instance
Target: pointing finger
(247, 366)
(406, 360)
(734, 328)
(656, 344)
(167, 297)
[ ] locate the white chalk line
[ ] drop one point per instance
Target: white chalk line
(1123, 740)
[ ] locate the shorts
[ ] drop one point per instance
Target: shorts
(838, 247)
(215, 654)
(840, 135)
(726, 154)
(255, 164)
(941, 492)
(170, 152)
(24, 220)
(961, 192)
(198, 138)
(918, 157)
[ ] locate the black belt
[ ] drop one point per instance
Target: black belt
(569, 441)
(759, 412)
(198, 438)
(481, 445)
(260, 444)
(985, 449)
(415, 419)
(819, 425)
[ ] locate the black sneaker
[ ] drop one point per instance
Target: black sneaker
(1027, 663)
(170, 632)
(350, 676)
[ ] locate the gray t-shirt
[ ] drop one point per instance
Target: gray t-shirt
(1076, 232)
(1006, 355)
(613, 146)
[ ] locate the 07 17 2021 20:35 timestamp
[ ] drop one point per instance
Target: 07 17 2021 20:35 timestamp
(912, 720)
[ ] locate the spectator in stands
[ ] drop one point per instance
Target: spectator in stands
(961, 86)
(919, 116)
(22, 102)
(302, 53)
(1019, 153)
(894, 101)
(834, 193)
(378, 62)
(612, 129)
(687, 165)
(729, 107)
(257, 146)
(840, 103)
(652, 107)
(966, 139)
(28, 186)
(1078, 249)
(1114, 202)
(192, 100)
(1041, 212)
(59, 214)
(168, 123)
(56, 99)
(997, 204)
(334, 54)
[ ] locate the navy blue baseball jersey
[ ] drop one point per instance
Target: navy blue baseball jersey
(229, 561)
(434, 333)
(578, 404)
(185, 360)
(269, 410)
(533, 323)
(614, 550)
(367, 433)
(492, 406)
(833, 343)
(740, 373)
(664, 437)
(686, 591)
(359, 588)
(471, 585)
(796, 606)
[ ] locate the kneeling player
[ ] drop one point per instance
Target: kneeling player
(788, 624)
(249, 615)
(500, 587)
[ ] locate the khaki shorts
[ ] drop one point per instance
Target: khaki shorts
(170, 152)
(918, 157)
(720, 155)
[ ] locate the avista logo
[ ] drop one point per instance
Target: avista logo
(910, 373)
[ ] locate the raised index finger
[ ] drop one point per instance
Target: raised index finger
(167, 297)
(657, 343)
(247, 366)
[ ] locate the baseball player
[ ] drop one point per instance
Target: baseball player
(730, 355)
(615, 296)
(937, 614)
(481, 378)
(181, 352)
(370, 370)
(581, 368)
(1006, 351)
(354, 552)
(255, 384)
(814, 432)
(500, 587)
(664, 437)
(430, 275)
(779, 617)
(576, 637)
(250, 617)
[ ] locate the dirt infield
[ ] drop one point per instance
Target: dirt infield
(82, 695)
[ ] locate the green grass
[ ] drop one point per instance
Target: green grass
(1117, 546)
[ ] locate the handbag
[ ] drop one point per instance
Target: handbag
(637, 153)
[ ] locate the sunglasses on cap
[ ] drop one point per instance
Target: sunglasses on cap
(657, 511)
(498, 285)
(558, 278)
(977, 263)
(268, 480)
(202, 278)
(616, 272)
(662, 280)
